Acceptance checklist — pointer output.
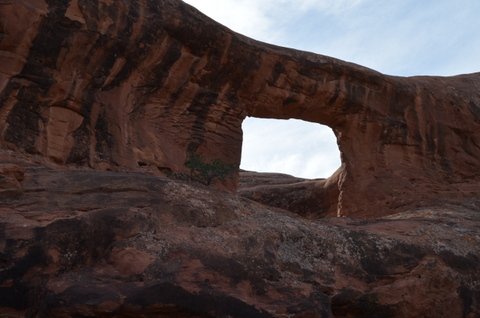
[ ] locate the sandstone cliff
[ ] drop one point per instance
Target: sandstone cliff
(145, 85)
(110, 108)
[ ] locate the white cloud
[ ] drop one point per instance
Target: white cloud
(401, 37)
(396, 37)
(268, 20)
(248, 17)
(329, 6)
(294, 147)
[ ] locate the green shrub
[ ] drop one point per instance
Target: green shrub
(205, 172)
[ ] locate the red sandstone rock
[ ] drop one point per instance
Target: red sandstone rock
(11, 177)
(150, 88)
(309, 198)
(86, 243)
(145, 85)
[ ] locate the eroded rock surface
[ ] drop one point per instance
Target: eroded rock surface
(311, 199)
(146, 85)
(83, 243)
(101, 100)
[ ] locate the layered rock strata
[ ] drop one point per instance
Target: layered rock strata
(101, 100)
(84, 243)
(310, 199)
(155, 85)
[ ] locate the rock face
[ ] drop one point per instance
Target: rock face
(309, 198)
(110, 108)
(148, 85)
(86, 243)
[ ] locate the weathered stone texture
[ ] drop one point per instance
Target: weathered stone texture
(101, 99)
(87, 243)
(144, 85)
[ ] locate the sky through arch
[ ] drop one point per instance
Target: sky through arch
(295, 147)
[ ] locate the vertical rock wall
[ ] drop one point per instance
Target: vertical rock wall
(148, 85)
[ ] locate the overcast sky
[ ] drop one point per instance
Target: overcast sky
(402, 37)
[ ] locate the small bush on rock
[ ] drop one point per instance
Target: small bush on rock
(205, 172)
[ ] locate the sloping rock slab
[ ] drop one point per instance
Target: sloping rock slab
(84, 243)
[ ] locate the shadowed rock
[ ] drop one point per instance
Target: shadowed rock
(101, 100)
(309, 198)
(146, 85)
(84, 243)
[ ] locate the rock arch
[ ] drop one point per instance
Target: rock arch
(117, 85)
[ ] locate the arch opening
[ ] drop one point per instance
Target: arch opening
(290, 164)
(294, 147)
